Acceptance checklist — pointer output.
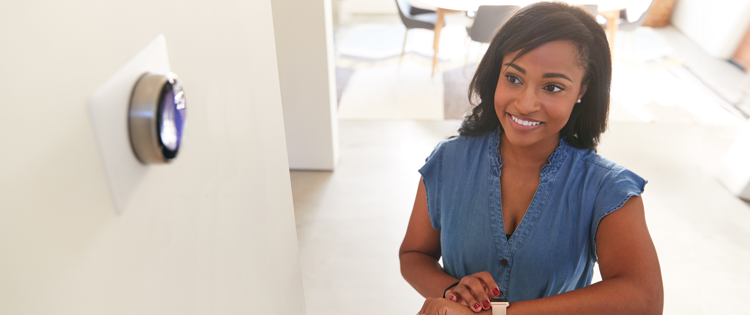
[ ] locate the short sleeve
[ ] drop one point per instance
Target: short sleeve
(432, 174)
(618, 186)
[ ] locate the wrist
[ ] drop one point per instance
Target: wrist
(448, 288)
(512, 311)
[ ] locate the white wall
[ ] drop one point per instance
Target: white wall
(304, 45)
(716, 26)
(213, 233)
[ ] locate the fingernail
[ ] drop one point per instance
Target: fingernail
(476, 306)
(486, 304)
(496, 291)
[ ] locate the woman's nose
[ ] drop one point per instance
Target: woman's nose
(527, 102)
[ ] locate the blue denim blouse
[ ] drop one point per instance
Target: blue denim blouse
(553, 250)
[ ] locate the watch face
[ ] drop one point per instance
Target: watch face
(172, 122)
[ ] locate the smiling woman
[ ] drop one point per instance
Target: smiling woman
(530, 28)
(519, 206)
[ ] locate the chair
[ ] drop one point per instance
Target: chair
(414, 17)
(593, 8)
(625, 25)
(415, 10)
(487, 21)
(629, 27)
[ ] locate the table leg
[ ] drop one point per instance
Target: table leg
(436, 41)
(612, 17)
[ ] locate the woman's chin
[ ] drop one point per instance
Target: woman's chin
(529, 139)
(521, 139)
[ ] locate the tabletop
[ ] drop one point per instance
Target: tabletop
(473, 5)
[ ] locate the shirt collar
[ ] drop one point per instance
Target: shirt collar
(549, 170)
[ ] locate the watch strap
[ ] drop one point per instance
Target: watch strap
(499, 308)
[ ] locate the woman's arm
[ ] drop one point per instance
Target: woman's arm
(631, 276)
(419, 255)
(420, 252)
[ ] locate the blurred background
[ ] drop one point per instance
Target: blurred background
(307, 122)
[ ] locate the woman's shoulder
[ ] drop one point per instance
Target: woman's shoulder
(606, 172)
(463, 149)
(462, 142)
(591, 160)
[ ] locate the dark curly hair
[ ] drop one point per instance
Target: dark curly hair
(529, 28)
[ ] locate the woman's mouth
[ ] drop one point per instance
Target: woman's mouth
(521, 124)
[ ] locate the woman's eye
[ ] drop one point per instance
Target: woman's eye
(513, 79)
(553, 88)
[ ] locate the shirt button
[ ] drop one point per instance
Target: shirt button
(504, 262)
(500, 294)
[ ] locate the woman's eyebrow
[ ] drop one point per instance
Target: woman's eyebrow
(556, 75)
(545, 76)
(522, 70)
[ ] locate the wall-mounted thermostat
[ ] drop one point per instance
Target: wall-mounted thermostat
(156, 117)
(138, 115)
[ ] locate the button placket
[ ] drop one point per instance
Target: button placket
(502, 244)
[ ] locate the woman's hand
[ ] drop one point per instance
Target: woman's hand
(439, 306)
(474, 291)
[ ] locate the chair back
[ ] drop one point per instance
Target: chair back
(631, 26)
(404, 10)
(488, 19)
(593, 8)
(424, 20)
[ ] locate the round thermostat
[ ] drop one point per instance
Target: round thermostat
(156, 117)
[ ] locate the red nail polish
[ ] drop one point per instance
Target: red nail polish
(496, 291)
(486, 304)
(476, 305)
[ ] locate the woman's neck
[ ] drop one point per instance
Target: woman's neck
(535, 155)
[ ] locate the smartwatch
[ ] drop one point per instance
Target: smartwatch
(499, 307)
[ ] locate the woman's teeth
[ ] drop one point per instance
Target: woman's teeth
(523, 122)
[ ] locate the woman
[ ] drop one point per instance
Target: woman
(519, 206)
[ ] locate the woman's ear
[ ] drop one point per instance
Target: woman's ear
(582, 92)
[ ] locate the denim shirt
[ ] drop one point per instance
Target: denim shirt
(553, 250)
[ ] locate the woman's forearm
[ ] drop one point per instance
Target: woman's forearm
(424, 273)
(611, 296)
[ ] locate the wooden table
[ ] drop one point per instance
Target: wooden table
(610, 9)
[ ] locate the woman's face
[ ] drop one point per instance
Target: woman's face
(536, 93)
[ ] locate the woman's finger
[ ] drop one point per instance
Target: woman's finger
(452, 296)
(489, 282)
(479, 291)
(464, 293)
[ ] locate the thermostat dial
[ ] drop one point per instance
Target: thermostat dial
(156, 117)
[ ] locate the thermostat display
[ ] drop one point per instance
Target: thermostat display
(157, 117)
